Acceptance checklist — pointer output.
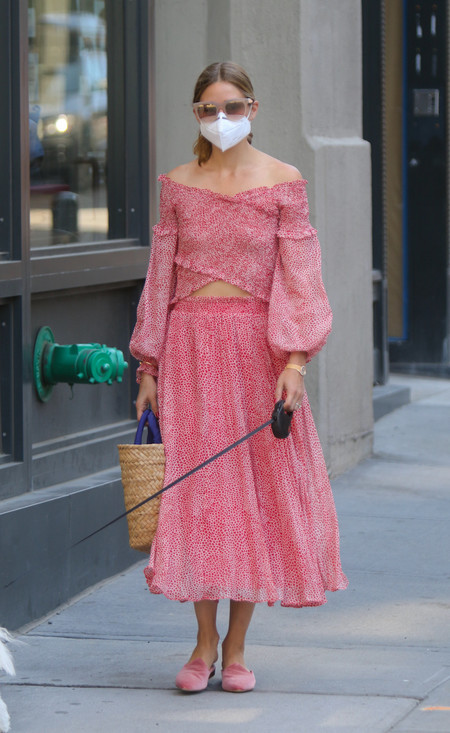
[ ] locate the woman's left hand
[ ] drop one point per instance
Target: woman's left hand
(291, 383)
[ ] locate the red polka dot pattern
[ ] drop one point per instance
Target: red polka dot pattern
(260, 240)
(259, 523)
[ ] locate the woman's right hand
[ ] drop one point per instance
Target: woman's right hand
(147, 396)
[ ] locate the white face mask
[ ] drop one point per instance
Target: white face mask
(225, 133)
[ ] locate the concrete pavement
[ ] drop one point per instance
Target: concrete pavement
(375, 659)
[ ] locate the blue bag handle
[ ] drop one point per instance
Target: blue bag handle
(153, 433)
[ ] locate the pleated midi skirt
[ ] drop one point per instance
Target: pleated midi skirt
(258, 524)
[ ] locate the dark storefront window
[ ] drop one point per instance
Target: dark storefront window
(74, 224)
(68, 119)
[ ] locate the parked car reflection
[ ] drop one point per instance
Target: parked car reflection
(68, 127)
(73, 98)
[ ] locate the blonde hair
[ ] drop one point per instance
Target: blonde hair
(219, 71)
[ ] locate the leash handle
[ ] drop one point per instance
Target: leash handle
(281, 420)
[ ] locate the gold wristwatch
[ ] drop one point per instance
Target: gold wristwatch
(300, 369)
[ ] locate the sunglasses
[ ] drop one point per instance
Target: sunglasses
(234, 109)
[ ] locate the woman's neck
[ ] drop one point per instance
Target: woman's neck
(232, 160)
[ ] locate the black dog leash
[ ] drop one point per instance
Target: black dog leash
(280, 422)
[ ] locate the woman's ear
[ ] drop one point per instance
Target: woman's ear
(254, 112)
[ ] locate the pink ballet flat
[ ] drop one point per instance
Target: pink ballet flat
(194, 676)
(235, 678)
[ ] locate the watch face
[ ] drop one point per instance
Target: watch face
(303, 371)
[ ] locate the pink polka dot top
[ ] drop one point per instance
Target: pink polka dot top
(260, 240)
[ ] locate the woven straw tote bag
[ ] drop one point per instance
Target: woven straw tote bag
(142, 467)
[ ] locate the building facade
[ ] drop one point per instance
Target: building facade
(96, 102)
(405, 71)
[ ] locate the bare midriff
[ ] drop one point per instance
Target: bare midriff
(220, 288)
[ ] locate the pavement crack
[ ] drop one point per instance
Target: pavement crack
(260, 690)
(404, 717)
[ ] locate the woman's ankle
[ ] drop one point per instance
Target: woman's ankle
(209, 638)
(206, 648)
(232, 652)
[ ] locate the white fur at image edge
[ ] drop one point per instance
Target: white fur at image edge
(6, 664)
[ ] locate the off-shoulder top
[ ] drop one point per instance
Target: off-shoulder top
(260, 240)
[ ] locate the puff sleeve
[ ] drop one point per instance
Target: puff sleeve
(299, 312)
(149, 332)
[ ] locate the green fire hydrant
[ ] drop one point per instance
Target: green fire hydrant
(73, 364)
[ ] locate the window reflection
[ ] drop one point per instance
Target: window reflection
(68, 121)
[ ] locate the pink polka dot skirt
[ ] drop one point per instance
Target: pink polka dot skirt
(258, 524)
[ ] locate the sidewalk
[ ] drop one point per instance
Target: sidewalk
(375, 659)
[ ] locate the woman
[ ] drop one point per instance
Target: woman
(232, 310)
